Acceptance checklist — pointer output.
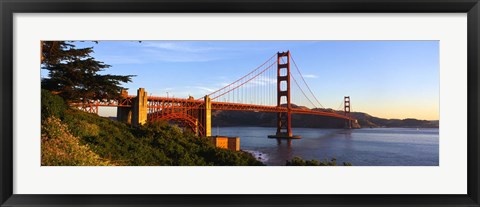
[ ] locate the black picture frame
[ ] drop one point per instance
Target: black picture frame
(10, 7)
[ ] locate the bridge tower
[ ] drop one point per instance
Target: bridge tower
(284, 121)
(346, 109)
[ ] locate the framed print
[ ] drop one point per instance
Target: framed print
(199, 103)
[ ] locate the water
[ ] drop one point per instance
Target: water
(361, 147)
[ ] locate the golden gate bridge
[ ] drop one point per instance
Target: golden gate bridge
(267, 88)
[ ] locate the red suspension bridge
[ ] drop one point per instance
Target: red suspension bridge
(267, 88)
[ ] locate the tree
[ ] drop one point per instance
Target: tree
(73, 73)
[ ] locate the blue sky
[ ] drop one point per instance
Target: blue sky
(389, 79)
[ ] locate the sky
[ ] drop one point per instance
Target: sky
(387, 79)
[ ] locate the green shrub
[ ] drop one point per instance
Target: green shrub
(52, 105)
(154, 144)
(82, 128)
(60, 148)
(298, 161)
(347, 164)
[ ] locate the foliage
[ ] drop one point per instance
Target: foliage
(52, 105)
(298, 161)
(347, 164)
(73, 73)
(153, 144)
(60, 147)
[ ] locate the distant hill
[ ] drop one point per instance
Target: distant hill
(263, 119)
(366, 120)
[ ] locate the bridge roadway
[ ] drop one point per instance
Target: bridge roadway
(159, 103)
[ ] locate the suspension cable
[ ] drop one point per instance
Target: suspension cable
(270, 66)
(296, 67)
(227, 86)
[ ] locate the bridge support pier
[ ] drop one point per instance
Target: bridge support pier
(139, 115)
(124, 114)
(206, 117)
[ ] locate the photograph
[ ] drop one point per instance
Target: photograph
(240, 103)
(322, 103)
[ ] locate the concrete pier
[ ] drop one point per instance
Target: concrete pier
(207, 117)
(124, 114)
(139, 115)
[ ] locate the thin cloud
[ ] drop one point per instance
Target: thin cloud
(120, 60)
(189, 51)
(195, 51)
(180, 47)
(205, 88)
(310, 76)
(178, 56)
(252, 83)
(223, 84)
(263, 81)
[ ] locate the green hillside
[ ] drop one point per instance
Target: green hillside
(73, 137)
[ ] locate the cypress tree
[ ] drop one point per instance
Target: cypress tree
(73, 73)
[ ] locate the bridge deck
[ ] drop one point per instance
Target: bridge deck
(167, 102)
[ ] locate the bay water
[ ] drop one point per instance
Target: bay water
(360, 147)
